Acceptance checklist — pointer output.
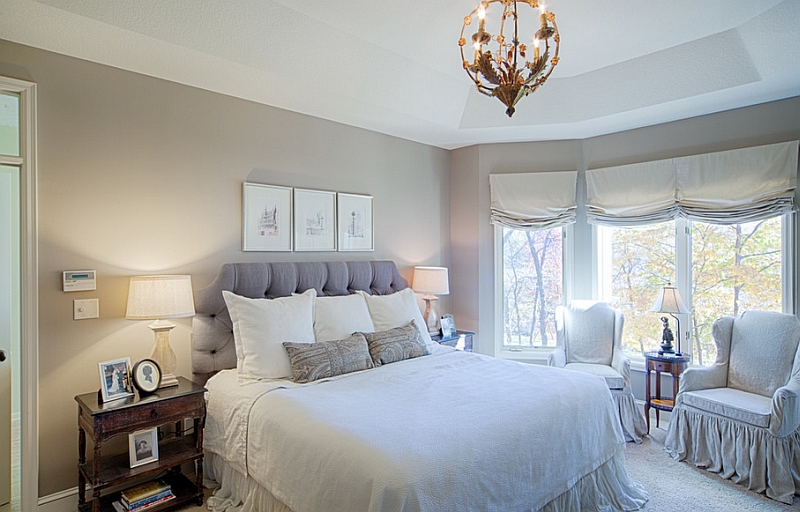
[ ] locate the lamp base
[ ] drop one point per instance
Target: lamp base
(431, 316)
(168, 380)
(666, 348)
(163, 353)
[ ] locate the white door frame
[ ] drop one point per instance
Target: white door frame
(29, 289)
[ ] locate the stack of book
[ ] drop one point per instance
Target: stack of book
(144, 496)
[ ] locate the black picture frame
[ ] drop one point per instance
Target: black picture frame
(448, 326)
(146, 376)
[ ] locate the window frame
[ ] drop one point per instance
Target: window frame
(683, 274)
(529, 354)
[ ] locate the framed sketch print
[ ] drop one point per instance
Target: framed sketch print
(143, 446)
(355, 222)
(267, 218)
(115, 379)
(314, 220)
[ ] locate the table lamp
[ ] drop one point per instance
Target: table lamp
(157, 298)
(431, 281)
(669, 301)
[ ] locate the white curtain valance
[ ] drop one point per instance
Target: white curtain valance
(728, 187)
(535, 200)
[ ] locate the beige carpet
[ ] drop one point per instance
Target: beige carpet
(677, 486)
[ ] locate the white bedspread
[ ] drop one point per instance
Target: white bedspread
(452, 431)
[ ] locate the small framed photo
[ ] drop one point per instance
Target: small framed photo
(448, 327)
(143, 446)
(354, 218)
(115, 379)
(314, 220)
(146, 376)
(267, 218)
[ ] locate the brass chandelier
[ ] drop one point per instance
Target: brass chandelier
(506, 73)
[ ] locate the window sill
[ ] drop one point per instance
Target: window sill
(527, 355)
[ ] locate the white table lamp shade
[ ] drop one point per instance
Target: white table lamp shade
(669, 301)
(157, 298)
(431, 280)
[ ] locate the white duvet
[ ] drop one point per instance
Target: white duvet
(451, 431)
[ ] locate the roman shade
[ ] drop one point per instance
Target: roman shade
(535, 200)
(728, 187)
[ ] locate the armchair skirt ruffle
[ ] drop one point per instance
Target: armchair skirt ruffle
(748, 455)
(631, 418)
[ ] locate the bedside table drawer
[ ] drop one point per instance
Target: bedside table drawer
(147, 414)
(660, 366)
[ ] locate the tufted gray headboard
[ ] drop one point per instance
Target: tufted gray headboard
(212, 331)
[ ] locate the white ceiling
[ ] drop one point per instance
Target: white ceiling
(395, 67)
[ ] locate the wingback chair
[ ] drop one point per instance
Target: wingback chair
(589, 339)
(740, 416)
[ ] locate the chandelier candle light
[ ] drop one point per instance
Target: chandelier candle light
(157, 298)
(500, 65)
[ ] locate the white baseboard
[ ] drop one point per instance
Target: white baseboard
(62, 501)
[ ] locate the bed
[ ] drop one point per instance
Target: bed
(412, 426)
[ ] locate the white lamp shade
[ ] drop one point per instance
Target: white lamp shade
(158, 297)
(431, 280)
(669, 301)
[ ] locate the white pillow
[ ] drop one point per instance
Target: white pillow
(260, 326)
(336, 318)
(396, 310)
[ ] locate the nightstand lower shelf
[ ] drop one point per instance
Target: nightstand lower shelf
(184, 490)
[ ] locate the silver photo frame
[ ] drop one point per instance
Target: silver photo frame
(143, 446)
(267, 218)
(115, 379)
(354, 220)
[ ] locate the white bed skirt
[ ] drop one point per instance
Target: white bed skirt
(607, 489)
(631, 418)
(747, 455)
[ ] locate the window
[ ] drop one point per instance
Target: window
(532, 286)
(726, 269)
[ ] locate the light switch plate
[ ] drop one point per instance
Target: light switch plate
(85, 308)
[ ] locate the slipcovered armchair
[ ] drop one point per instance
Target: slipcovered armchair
(589, 339)
(740, 416)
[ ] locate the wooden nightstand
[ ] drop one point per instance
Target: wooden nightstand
(462, 340)
(104, 421)
(674, 365)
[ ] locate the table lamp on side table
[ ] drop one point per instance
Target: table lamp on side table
(431, 281)
(669, 301)
(157, 298)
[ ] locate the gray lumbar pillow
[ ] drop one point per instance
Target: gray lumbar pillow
(396, 344)
(314, 361)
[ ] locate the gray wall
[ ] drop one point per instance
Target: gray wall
(139, 175)
(473, 246)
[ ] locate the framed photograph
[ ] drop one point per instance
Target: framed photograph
(448, 326)
(115, 379)
(146, 375)
(143, 446)
(267, 218)
(314, 220)
(354, 214)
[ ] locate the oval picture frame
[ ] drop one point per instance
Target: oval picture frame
(146, 376)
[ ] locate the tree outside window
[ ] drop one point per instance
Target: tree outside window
(532, 286)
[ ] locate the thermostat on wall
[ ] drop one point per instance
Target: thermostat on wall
(79, 280)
